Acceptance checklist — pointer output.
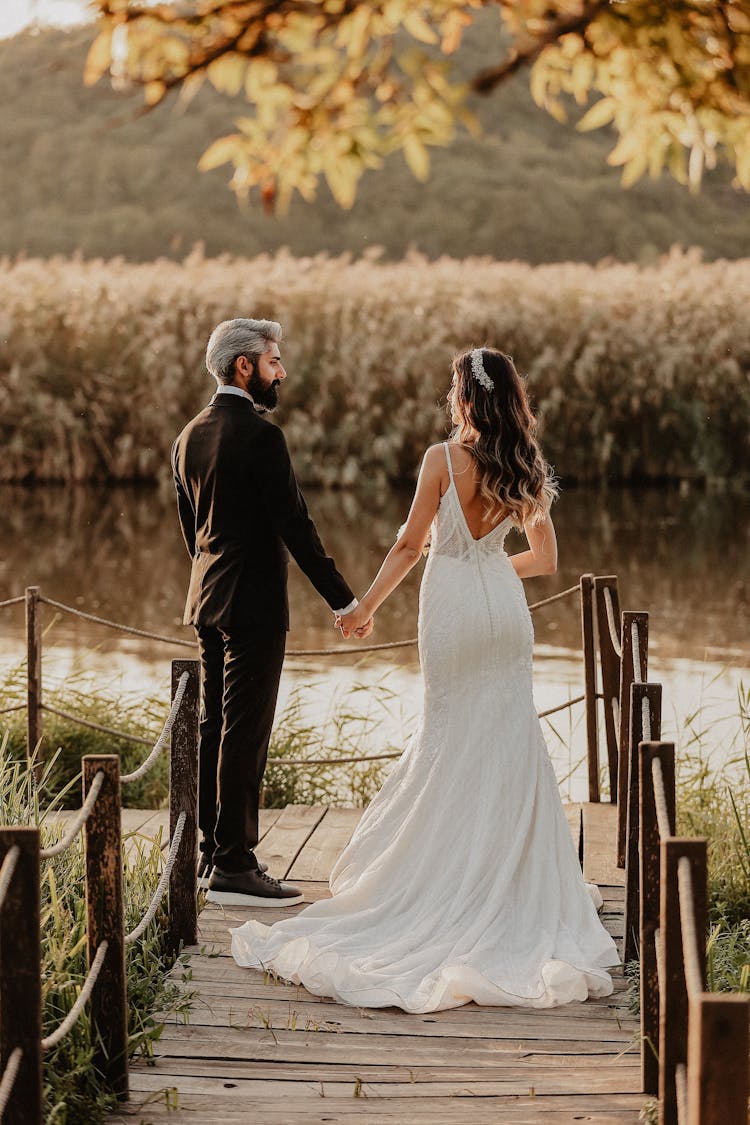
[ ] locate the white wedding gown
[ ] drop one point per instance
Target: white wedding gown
(461, 881)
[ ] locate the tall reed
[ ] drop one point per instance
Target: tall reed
(637, 373)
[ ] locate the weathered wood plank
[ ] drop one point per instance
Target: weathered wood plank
(408, 1050)
(600, 835)
(325, 844)
(611, 1080)
(280, 846)
(604, 1109)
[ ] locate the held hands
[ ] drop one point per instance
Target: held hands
(358, 623)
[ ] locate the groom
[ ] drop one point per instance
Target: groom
(241, 514)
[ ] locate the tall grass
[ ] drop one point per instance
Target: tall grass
(74, 1091)
(638, 373)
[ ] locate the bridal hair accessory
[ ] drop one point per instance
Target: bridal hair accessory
(478, 371)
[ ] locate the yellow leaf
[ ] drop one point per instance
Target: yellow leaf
(220, 152)
(418, 27)
(153, 92)
(601, 113)
(417, 156)
(228, 74)
(98, 58)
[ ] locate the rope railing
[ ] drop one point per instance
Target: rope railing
(163, 883)
(13, 601)
(161, 741)
(6, 871)
(79, 821)
(691, 955)
(614, 633)
(147, 634)
(95, 726)
(129, 629)
(9, 1077)
(660, 799)
(84, 996)
(15, 707)
(680, 1078)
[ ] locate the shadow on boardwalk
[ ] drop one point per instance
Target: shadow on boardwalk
(255, 1050)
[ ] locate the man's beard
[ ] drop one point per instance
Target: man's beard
(266, 398)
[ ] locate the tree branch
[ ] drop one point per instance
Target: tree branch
(490, 78)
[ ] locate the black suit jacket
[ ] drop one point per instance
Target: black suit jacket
(241, 513)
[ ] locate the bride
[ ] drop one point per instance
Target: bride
(461, 881)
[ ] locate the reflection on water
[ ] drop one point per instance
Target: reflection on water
(118, 553)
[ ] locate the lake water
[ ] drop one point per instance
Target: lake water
(117, 553)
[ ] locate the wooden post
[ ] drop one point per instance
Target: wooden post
(33, 676)
(717, 1059)
(650, 901)
(628, 677)
(673, 999)
(610, 665)
(105, 921)
(20, 977)
(589, 679)
(630, 797)
(183, 796)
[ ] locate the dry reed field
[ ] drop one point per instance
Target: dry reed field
(636, 373)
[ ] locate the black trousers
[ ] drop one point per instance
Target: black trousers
(240, 673)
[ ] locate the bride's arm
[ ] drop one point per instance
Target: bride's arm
(405, 552)
(541, 558)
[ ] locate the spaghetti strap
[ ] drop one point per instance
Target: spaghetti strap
(448, 459)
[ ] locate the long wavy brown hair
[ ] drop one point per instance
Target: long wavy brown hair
(498, 427)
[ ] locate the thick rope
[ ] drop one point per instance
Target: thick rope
(680, 1082)
(163, 882)
(96, 726)
(17, 707)
(292, 652)
(660, 799)
(6, 871)
(330, 761)
(690, 955)
(116, 625)
(83, 814)
(85, 994)
(613, 631)
(163, 738)
(659, 950)
(13, 601)
(9, 1077)
(646, 719)
(637, 677)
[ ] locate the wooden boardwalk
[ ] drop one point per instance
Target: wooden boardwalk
(258, 1051)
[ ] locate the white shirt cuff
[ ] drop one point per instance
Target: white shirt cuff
(347, 609)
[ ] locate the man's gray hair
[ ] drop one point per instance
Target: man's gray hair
(233, 338)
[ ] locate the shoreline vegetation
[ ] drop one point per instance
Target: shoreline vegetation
(638, 374)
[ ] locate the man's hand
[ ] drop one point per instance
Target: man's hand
(358, 623)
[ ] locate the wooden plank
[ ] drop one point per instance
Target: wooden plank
(574, 1072)
(611, 1080)
(280, 846)
(307, 1046)
(466, 1110)
(325, 844)
(599, 834)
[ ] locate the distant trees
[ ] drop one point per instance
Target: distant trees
(334, 85)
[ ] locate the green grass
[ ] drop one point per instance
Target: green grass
(75, 1092)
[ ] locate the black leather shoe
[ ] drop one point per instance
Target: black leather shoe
(251, 888)
(205, 867)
